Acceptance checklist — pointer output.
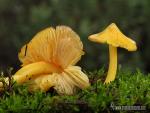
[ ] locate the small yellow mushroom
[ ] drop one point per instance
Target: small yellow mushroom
(115, 38)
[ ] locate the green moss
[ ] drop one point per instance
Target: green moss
(129, 89)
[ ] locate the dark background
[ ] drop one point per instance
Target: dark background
(20, 20)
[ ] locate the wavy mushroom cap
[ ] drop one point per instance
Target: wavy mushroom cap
(48, 61)
(113, 36)
(61, 47)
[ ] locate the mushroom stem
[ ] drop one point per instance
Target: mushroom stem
(112, 64)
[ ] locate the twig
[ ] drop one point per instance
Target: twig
(26, 50)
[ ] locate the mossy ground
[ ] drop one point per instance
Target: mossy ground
(129, 89)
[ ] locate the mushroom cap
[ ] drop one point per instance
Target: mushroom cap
(113, 36)
(60, 46)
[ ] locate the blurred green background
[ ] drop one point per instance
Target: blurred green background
(20, 20)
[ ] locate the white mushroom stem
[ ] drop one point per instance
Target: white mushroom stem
(112, 64)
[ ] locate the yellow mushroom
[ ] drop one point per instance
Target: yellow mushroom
(48, 61)
(115, 38)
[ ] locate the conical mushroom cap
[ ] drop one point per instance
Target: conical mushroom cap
(113, 36)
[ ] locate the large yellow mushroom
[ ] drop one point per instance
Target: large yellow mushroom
(48, 61)
(115, 38)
